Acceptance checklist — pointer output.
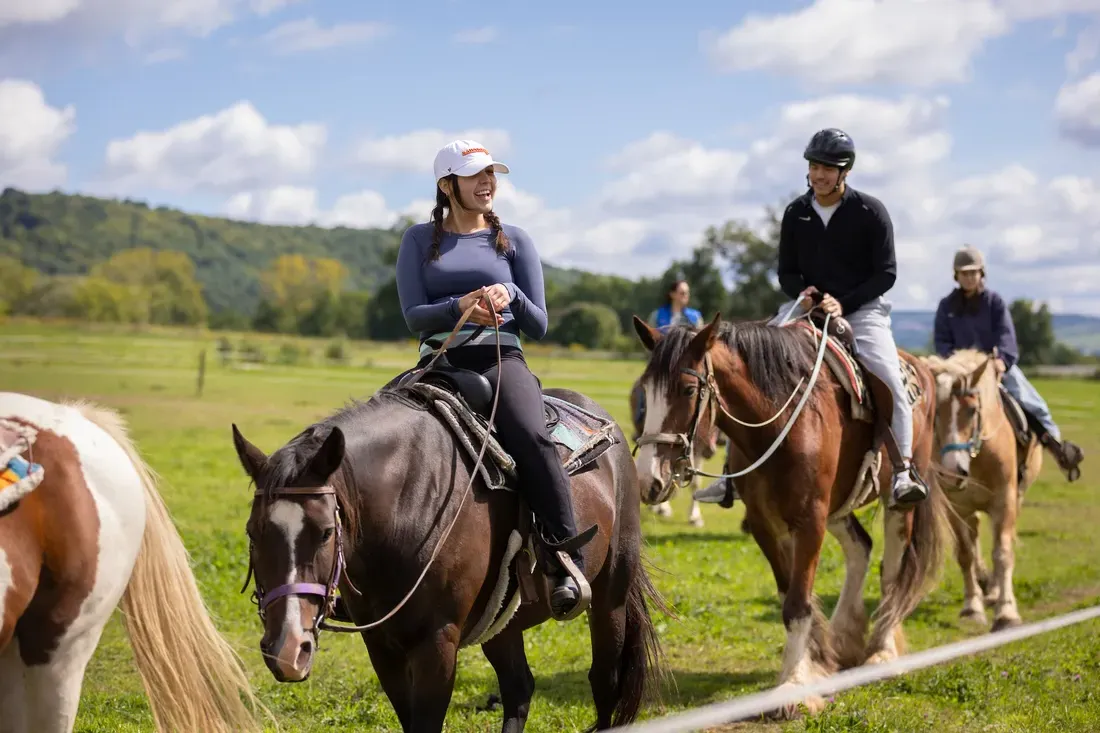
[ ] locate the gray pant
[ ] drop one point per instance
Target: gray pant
(1030, 399)
(879, 354)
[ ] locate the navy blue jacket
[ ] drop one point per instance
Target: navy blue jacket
(976, 325)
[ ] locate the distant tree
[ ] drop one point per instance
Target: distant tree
(300, 294)
(592, 325)
(1034, 331)
(752, 263)
(18, 283)
(385, 321)
(160, 286)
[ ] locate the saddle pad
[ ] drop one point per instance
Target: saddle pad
(18, 476)
(846, 369)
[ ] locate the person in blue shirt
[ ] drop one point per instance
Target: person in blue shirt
(973, 316)
(674, 312)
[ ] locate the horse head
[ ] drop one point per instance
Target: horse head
(966, 390)
(680, 406)
(295, 543)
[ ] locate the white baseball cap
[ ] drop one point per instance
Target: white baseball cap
(465, 158)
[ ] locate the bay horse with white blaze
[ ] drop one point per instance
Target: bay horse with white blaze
(385, 501)
(88, 533)
(988, 458)
(811, 467)
(703, 451)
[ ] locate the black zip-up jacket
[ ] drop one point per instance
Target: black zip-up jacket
(852, 260)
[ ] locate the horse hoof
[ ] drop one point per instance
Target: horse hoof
(1005, 622)
(697, 523)
(973, 614)
(881, 657)
(811, 705)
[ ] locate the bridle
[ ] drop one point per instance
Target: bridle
(327, 592)
(707, 398)
(684, 466)
(974, 445)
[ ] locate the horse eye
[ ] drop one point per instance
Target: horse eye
(327, 535)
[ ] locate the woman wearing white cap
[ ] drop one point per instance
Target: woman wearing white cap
(467, 257)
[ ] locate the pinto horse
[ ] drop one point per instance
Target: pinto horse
(704, 450)
(372, 500)
(91, 533)
(987, 461)
(810, 473)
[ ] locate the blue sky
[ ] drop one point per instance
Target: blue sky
(629, 128)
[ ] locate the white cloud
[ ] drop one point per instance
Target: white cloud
(15, 12)
(297, 36)
(234, 149)
(267, 7)
(1078, 110)
(488, 34)
(863, 41)
(299, 206)
(1086, 49)
(31, 132)
(415, 151)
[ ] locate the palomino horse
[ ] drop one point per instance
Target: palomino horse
(987, 462)
(822, 470)
(366, 499)
(92, 531)
(703, 451)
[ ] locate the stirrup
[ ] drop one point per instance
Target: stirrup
(910, 499)
(560, 552)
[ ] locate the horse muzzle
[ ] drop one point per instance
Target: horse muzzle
(290, 655)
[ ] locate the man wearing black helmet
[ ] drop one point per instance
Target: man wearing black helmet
(839, 242)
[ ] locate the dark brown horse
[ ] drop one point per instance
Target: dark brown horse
(823, 467)
(382, 485)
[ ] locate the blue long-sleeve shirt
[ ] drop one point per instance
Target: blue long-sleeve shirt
(980, 325)
(429, 291)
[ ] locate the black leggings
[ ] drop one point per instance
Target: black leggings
(521, 429)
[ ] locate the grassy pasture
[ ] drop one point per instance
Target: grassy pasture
(729, 636)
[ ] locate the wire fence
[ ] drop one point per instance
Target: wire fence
(751, 706)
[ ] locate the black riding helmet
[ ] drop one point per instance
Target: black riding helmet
(831, 147)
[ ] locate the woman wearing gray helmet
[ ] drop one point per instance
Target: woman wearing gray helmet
(973, 316)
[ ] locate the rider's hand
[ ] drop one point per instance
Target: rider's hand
(498, 295)
(806, 298)
(831, 306)
(999, 365)
(480, 315)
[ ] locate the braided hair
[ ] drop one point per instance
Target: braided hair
(500, 242)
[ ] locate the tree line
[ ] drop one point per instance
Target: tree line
(319, 282)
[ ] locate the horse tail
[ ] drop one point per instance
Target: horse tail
(642, 660)
(192, 677)
(923, 555)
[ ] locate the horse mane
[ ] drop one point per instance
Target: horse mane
(959, 365)
(775, 358)
(287, 463)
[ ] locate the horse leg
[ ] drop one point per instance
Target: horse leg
(12, 693)
(53, 687)
(849, 621)
(664, 509)
(418, 680)
(505, 652)
(887, 638)
(967, 554)
(1004, 560)
(696, 516)
(808, 654)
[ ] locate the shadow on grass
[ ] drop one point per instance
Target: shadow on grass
(691, 688)
(695, 537)
(929, 612)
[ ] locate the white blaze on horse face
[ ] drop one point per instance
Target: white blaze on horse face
(290, 518)
(656, 410)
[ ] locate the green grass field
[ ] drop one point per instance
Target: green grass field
(729, 636)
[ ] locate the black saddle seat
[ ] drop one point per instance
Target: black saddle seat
(471, 386)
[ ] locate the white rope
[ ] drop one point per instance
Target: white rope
(790, 423)
(760, 703)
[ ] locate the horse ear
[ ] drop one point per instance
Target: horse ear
(329, 456)
(648, 335)
(704, 340)
(252, 458)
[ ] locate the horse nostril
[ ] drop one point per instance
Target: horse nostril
(305, 651)
(655, 487)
